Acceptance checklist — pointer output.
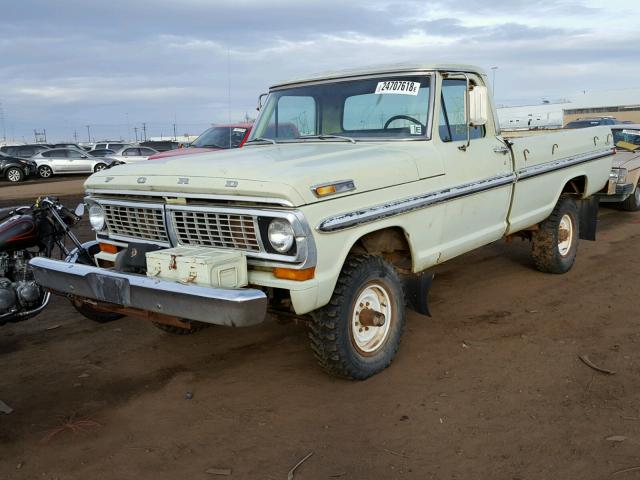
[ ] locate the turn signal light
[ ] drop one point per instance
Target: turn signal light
(291, 274)
(108, 248)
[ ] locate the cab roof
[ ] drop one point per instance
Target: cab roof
(382, 69)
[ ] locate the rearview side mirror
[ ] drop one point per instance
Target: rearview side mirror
(79, 211)
(262, 95)
(478, 106)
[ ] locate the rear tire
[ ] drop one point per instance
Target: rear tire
(45, 171)
(99, 167)
(555, 244)
(632, 202)
(342, 345)
(14, 175)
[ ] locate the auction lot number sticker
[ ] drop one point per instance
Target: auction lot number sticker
(398, 87)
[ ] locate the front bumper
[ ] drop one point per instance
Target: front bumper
(219, 306)
(622, 191)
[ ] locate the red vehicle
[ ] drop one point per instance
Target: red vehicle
(219, 137)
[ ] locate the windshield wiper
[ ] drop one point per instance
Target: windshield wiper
(263, 139)
(325, 137)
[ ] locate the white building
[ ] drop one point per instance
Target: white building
(622, 104)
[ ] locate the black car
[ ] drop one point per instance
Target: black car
(23, 151)
(160, 145)
(14, 169)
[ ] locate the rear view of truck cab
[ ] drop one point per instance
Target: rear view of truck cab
(350, 188)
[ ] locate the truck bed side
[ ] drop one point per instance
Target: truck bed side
(546, 164)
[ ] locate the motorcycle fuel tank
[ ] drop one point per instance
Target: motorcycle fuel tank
(18, 232)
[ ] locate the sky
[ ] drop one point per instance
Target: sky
(117, 65)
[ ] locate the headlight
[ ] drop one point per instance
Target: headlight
(281, 236)
(96, 217)
(619, 175)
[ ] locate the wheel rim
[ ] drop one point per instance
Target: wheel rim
(100, 167)
(14, 176)
(45, 172)
(368, 339)
(565, 235)
(637, 194)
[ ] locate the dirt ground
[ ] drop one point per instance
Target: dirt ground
(490, 387)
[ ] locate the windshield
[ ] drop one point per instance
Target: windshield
(373, 108)
(625, 136)
(220, 137)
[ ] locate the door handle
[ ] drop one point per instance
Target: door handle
(502, 149)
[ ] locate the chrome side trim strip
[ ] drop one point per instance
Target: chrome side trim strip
(378, 212)
(194, 196)
(385, 210)
(554, 165)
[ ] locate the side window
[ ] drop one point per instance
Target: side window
(131, 152)
(100, 146)
(146, 151)
(293, 116)
(452, 124)
(75, 154)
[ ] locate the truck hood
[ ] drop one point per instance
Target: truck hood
(180, 152)
(284, 171)
(626, 159)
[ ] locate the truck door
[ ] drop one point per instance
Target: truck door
(478, 168)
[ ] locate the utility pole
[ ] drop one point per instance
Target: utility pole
(4, 130)
(89, 133)
(75, 135)
(175, 137)
(493, 83)
(144, 131)
(128, 128)
(135, 129)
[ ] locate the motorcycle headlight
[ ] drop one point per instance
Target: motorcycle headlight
(96, 217)
(281, 235)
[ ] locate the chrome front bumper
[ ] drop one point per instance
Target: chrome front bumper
(220, 306)
(618, 193)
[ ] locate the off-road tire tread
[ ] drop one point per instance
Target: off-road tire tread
(544, 245)
(96, 315)
(629, 204)
(323, 324)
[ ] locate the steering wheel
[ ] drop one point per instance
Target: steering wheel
(401, 117)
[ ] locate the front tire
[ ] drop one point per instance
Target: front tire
(94, 314)
(15, 175)
(632, 202)
(45, 171)
(346, 336)
(555, 244)
(99, 167)
(176, 330)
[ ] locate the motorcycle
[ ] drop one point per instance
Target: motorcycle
(26, 232)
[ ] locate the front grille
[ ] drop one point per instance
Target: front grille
(215, 229)
(145, 223)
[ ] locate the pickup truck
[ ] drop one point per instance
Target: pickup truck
(350, 188)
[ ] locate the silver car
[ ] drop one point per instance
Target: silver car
(68, 160)
(133, 154)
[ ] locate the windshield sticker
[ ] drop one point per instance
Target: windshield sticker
(415, 129)
(240, 130)
(631, 132)
(398, 87)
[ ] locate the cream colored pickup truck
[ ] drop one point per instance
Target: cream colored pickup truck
(350, 188)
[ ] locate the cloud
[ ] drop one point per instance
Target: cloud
(114, 65)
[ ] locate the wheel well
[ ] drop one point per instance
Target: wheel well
(390, 243)
(576, 186)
